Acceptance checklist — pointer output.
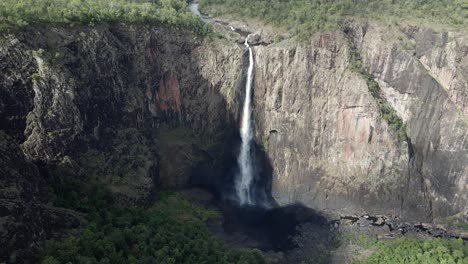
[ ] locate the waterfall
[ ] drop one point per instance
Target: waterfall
(244, 160)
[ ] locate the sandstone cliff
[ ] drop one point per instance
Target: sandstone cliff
(329, 146)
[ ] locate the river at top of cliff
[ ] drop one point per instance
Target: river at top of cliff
(193, 6)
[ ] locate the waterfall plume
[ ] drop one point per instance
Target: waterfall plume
(244, 160)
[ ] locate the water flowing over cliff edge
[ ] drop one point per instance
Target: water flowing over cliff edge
(245, 159)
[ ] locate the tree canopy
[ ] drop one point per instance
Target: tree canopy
(173, 13)
(305, 16)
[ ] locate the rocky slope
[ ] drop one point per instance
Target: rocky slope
(25, 215)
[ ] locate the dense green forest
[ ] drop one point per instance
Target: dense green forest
(173, 13)
(408, 250)
(413, 251)
(306, 16)
(173, 230)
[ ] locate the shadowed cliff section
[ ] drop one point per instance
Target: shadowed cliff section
(136, 108)
(90, 85)
(26, 216)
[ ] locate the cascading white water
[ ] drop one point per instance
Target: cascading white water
(245, 177)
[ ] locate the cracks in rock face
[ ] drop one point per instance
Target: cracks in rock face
(352, 106)
(371, 133)
(409, 166)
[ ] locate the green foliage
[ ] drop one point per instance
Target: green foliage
(74, 193)
(364, 241)
(124, 165)
(457, 222)
(463, 226)
(129, 156)
(12, 258)
(173, 231)
(411, 250)
(263, 143)
(35, 75)
(406, 250)
(386, 110)
(181, 148)
(302, 17)
(172, 13)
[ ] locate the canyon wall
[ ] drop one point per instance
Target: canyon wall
(66, 91)
(131, 107)
(136, 107)
(328, 144)
(423, 75)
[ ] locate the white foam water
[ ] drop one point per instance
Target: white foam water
(245, 177)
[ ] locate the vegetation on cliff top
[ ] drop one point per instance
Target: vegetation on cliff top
(173, 13)
(302, 17)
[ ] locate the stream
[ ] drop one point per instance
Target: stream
(193, 6)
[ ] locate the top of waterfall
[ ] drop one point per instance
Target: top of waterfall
(255, 39)
(246, 42)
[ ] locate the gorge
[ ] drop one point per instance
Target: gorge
(145, 108)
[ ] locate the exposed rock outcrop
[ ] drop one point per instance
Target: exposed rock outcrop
(25, 218)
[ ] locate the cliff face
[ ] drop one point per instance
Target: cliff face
(328, 145)
(68, 92)
(132, 106)
(25, 215)
(426, 83)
